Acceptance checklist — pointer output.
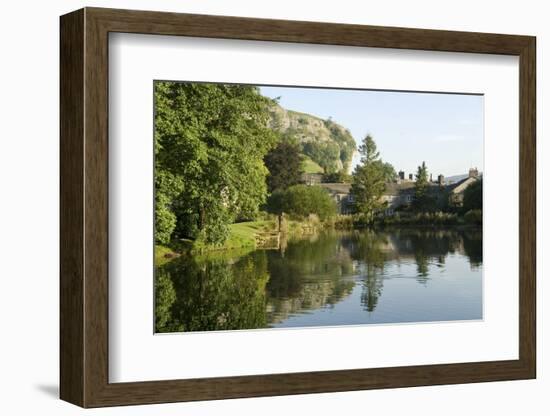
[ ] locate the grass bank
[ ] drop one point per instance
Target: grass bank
(243, 237)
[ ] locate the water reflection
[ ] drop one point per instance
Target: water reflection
(334, 278)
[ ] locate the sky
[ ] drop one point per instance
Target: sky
(444, 130)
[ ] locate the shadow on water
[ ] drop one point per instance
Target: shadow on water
(312, 279)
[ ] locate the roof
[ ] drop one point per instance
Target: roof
(402, 187)
(396, 188)
(460, 186)
(339, 188)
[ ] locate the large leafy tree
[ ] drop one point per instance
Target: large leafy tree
(369, 179)
(210, 141)
(284, 164)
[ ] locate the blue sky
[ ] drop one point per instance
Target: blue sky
(445, 130)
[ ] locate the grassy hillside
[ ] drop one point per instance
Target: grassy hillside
(309, 166)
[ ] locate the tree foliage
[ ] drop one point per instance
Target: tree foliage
(326, 154)
(337, 177)
(301, 201)
(422, 198)
(284, 164)
(388, 171)
(210, 141)
(473, 196)
(368, 183)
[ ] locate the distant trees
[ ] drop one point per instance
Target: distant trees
(326, 154)
(301, 201)
(473, 196)
(369, 179)
(423, 201)
(337, 177)
(284, 164)
(389, 171)
(473, 203)
(210, 142)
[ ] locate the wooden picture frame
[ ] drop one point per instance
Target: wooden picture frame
(84, 207)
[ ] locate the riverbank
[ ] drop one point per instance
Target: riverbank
(473, 218)
(264, 233)
(243, 236)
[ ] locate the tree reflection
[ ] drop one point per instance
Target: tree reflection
(371, 249)
(308, 275)
(212, 294)
(473, 247)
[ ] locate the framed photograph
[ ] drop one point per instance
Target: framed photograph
(255, 207)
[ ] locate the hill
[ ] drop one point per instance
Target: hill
(324, 142)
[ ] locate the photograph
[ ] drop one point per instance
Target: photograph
(297, 207)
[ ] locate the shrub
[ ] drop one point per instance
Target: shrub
(342, 222)
(474, 216)
(473, 196)
(301, 201)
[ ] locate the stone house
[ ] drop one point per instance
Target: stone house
(340, 192)
(311, 178)
(401, 193)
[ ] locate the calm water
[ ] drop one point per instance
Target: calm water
(335, 278)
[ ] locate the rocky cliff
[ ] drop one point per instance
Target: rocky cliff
(325, 142)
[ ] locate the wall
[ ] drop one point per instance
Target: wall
(29, 209)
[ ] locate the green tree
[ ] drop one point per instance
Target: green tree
(210, 142)
(422, 199)
(301, 201)
(368, 182)
(473, 196)
(326, 154)
(167, 187)
(284, 164)
(388, 170)
(337, 177)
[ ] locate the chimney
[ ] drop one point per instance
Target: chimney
(401, 175)
(441, 180)
(410, 176)
(472, 173)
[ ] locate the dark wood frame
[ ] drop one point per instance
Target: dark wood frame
(84, 207)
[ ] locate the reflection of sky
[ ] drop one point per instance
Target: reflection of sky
(445, 130)
(453, 291)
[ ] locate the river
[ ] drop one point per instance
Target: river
(333, 278)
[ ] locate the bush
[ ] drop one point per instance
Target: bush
(302, 201)
(473, 196)
(474, 216)
(342, 222)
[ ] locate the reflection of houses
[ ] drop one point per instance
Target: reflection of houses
(401, 192)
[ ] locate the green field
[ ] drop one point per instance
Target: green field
(309, 166)
(243, 235)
